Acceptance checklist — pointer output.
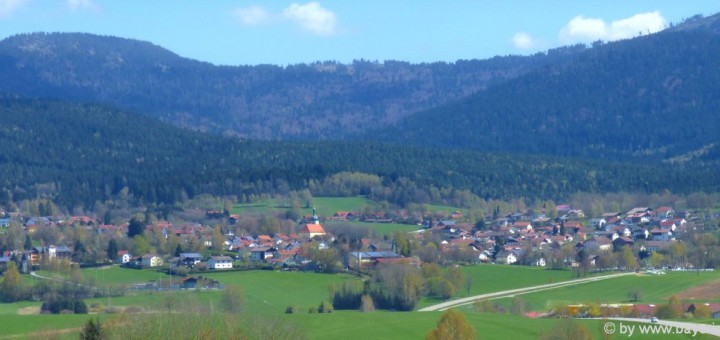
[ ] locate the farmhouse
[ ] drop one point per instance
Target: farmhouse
(151, 260)
(220, 262)
(123, 256)
(190, 259)
(506, 257)
(60, 252)
(262, 253)
(371, 258)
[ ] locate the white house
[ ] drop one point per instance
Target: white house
(506, 257)
(124, 256)
(598, 222)
(151, 260)
(220, 262)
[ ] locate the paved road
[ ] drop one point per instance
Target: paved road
(679, 327)
(518, 291)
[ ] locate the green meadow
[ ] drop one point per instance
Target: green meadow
(328, 206)
(444, 208)
(325, 206)
(268, 293)
(381, 229)
(654, 288)
(259, 206)
(488, 278)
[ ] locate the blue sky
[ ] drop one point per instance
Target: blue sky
(287, 32)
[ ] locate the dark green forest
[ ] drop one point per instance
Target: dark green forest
(639, 115)
(649, 99)
(77, 154)
(298, 102)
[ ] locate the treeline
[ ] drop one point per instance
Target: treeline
(398, 286)
(79, 154)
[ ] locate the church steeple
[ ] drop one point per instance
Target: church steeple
(315, 218)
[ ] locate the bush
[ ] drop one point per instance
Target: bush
(347, 295)
(702, 312)
(56, 305)
(133, 309)
(440, 287)
(325, 307)
(367, 304)
(93, 330)
(233, 299)
(179, 271)
(484, 306)
(292, 310)
(112, 310)
(312, 310)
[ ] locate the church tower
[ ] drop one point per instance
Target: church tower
(315, 219)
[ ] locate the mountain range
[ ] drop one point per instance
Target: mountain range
(638, 114)
(298, 102)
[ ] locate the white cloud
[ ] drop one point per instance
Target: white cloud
(585, 30)
(645, 22)
(82, 5)
(523, 41)
(252, 16)
(312, 18)
(7, 7)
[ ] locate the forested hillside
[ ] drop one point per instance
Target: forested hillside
(652, 98)
(82, 153)
(300, 102)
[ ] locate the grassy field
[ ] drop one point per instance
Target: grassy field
(268, 293)
(352, 325)
(13, 308)
(655, 289)
(260, 206)
(23, 326)
(380, 228)
(349, 325)
(326, 206)
(444, 208)
(117, 274)
(488, 278)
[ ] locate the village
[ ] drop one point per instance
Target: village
(448, 248)
(572, 240)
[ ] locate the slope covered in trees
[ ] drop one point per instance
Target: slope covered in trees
(652, 98)
(648, 98)
(80, 153)
(301, 102)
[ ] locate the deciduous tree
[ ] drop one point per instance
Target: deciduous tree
(452, 326)
(568, 329)
(12, 288)
(233, 299)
